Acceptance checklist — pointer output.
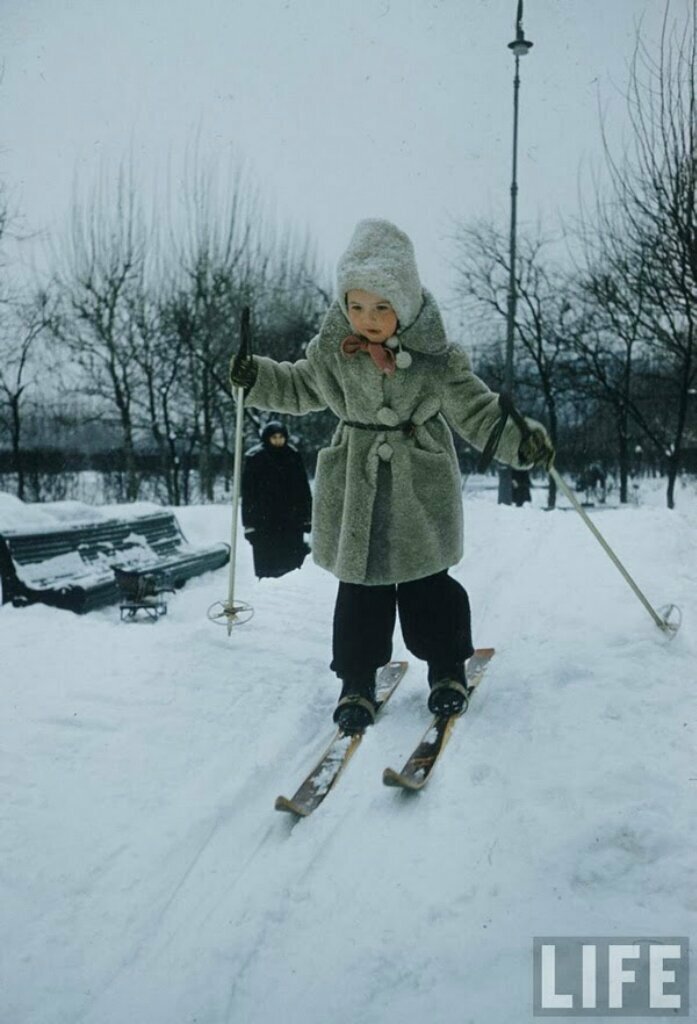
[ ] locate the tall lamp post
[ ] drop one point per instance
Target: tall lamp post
(519, 47)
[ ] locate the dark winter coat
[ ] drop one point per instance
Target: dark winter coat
(276, 505)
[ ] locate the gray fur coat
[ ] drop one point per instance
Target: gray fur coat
(387, 502)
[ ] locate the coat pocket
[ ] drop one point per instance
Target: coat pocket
(330, 487)
(436, 482)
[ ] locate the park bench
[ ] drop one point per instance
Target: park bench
(89, 565)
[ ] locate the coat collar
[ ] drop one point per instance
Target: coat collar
(426, 335)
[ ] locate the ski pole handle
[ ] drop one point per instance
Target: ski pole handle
(489, 450)
(509, 409)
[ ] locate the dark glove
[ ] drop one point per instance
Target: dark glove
(243, 371)
(307, 527)
(536, 449)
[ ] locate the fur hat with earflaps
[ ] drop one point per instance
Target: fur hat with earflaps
(380, 258)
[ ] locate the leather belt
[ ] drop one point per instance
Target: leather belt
(407, 427)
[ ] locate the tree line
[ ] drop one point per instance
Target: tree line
(136, 324)
(606, 338)
(127, 338)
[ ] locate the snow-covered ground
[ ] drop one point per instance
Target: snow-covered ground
(145, 877)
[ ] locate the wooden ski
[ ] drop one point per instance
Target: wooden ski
(331, 764)
(417, 770)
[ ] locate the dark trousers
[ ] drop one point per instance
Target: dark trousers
(434, 613)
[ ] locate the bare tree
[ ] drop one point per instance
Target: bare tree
(225, 262)
(654, 226)
(546, 316)
(22, 321)
(21, 325)
(217, 256)
(101, 263)
(610, 355)
(149, 308)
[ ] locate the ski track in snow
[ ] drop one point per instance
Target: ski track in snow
(145, 876)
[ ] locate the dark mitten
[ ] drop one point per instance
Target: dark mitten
(536, 449)
(243, 371)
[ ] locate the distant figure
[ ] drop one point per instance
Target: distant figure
(593, 481)
(276, 503)
(520, 483)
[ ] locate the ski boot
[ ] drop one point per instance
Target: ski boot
(449, 694)
(356, 708)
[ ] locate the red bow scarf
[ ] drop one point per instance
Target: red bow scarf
(382, 357)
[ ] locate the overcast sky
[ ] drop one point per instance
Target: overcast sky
(341, 109)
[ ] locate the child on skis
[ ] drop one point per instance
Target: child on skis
(387, 515)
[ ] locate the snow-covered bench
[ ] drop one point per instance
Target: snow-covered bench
(72, 565)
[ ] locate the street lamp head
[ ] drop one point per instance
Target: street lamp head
(520, 45)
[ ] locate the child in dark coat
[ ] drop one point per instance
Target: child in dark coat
(276, 503)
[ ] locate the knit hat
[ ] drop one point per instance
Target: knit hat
(380, 259)
(273, 427)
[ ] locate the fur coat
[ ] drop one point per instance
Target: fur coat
(387, 500)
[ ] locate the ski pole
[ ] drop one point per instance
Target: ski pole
(662, 622)
(236, 613)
